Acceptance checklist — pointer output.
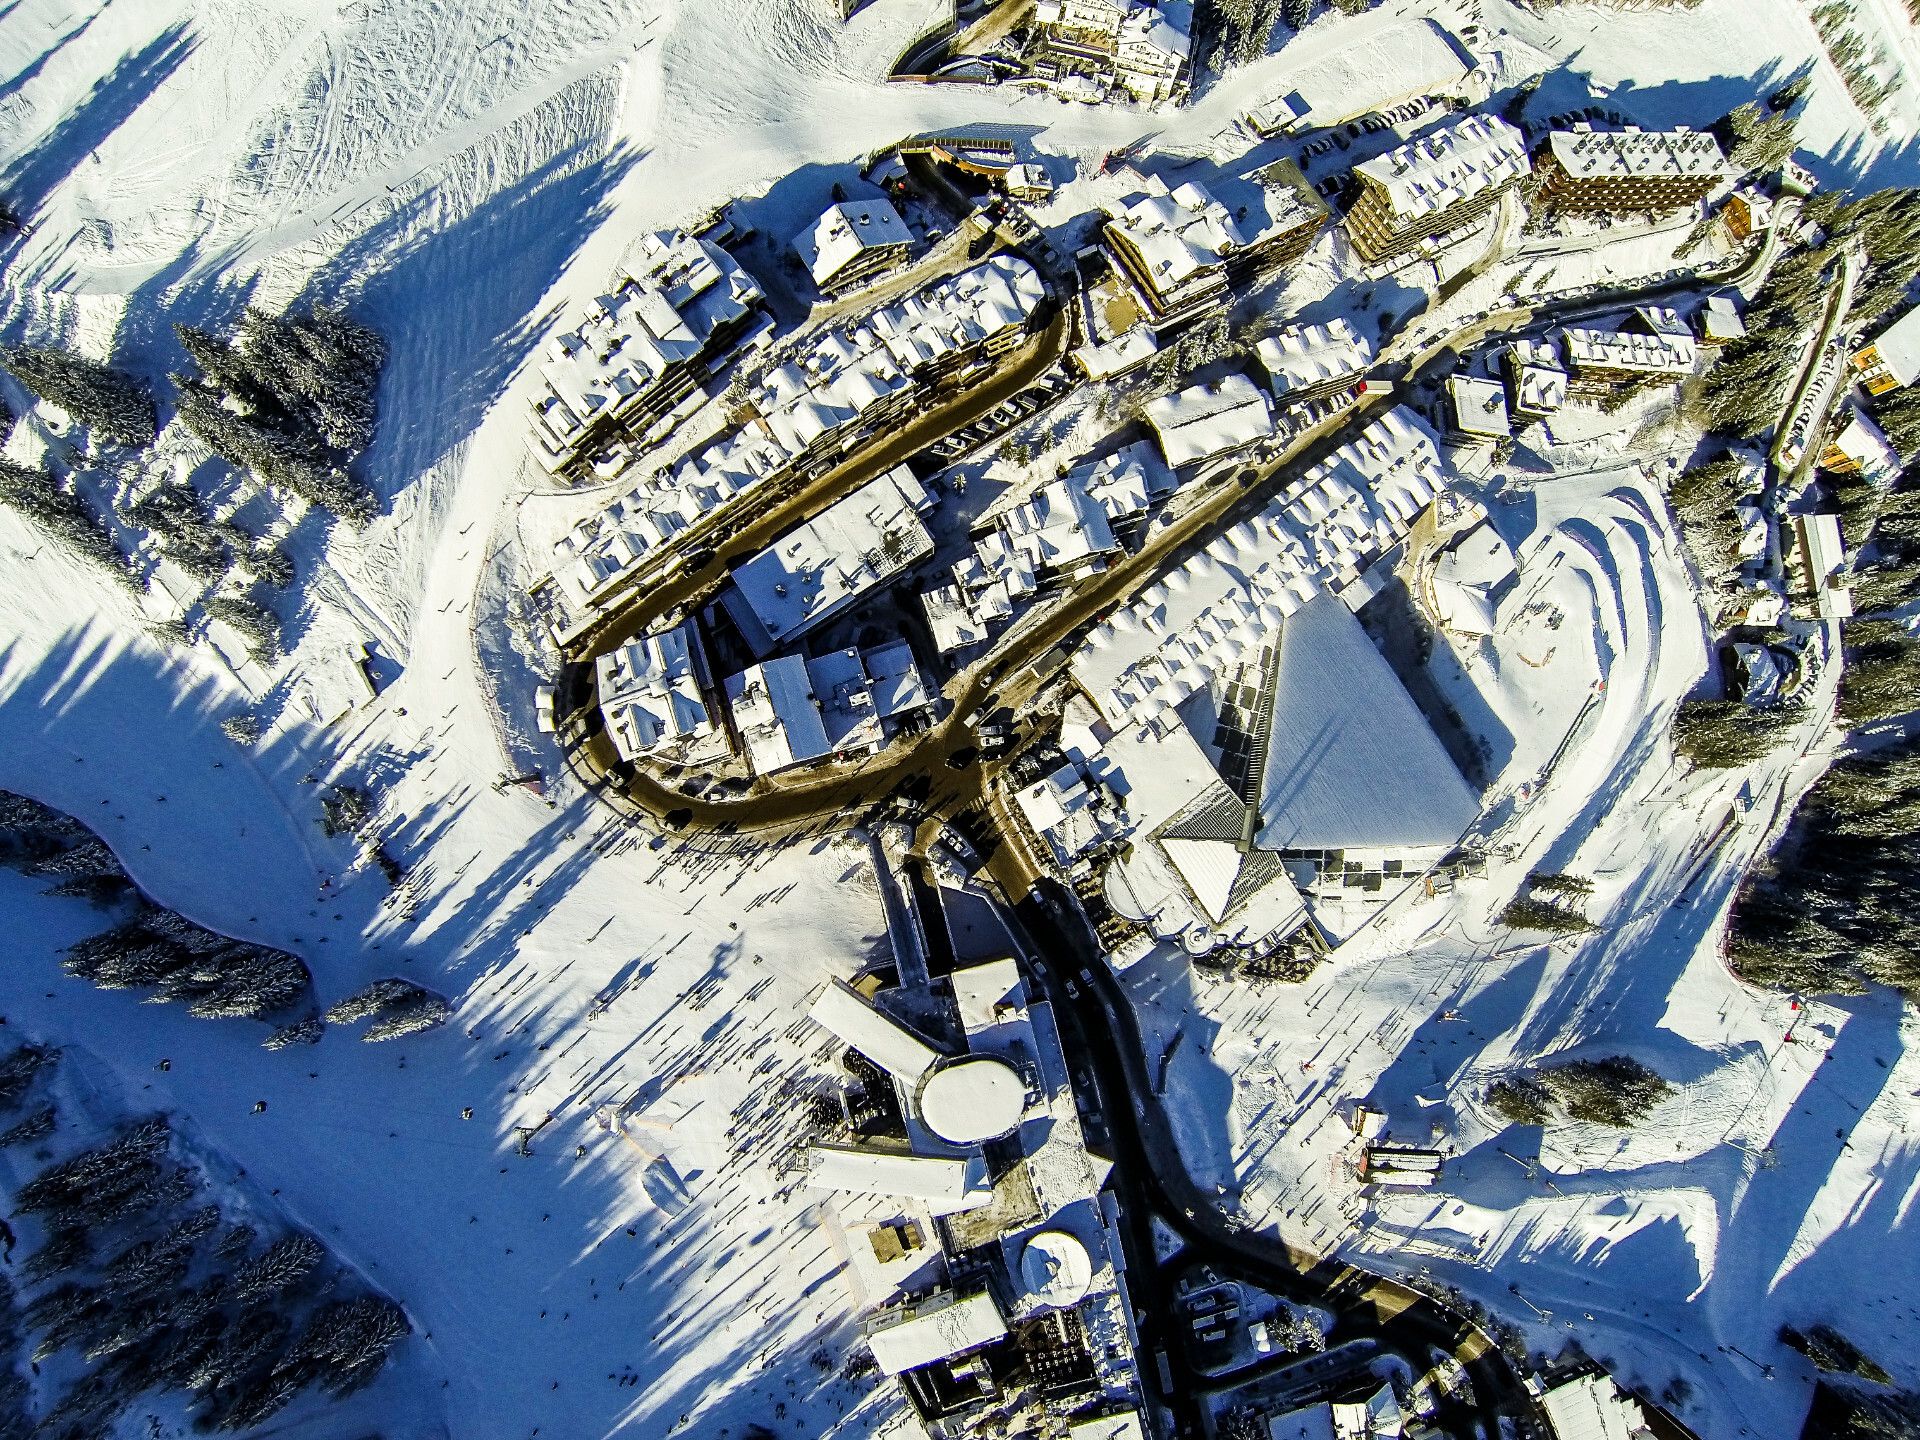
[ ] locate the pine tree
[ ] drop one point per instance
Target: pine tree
(110, 404)
(64, 517)
(279, 1266)
(36, 1126)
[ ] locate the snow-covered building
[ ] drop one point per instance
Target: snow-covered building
(851, 243)
(1537, 379)
(1208, 422)
(1073, 808)
(776, 715)
(1892, 360)
(862, 379)
(642, 349)
(1039, 1222)
(1061, 531)
(1594, 1408)
(652, 694)
(1139, 47)
(943, 1326)
(1178, 247)
(1747, 213)
(1183, 675)
(1617, 172)
(789, 711)
(1446, 178)
(1478, 408)
(1600, 362)
(1028, 181)
(1720, 320)
(1472, 576)
(862, 693)
(820, 568)
(1311, 362)
(1376, 1416)
(1861, 448)
(1820, 555)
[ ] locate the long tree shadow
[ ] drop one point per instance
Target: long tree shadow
(457, 303)
(39, 169)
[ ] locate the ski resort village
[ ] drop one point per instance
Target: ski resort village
(960, 719)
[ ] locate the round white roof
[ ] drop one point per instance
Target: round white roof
(1055, 1269)
(971, 1101)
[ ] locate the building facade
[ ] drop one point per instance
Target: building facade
(1587, 171)
(1447, 178)
(1179, 249)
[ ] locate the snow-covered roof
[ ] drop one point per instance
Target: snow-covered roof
(1899, 347)
(1648, 354)
(1456, 160)
(845, 232)
(1593, 1408)
(776, 715)
(1632, 153)
(1315, 1422)
(1865, 445)
(1028, 178)
(1306, 355)
(1118, 355)
(1216, 612)
(1162, 28)
(1823, 563)
(1539, 378)
(1470, 577)
(949, 1184)
(1127, 481)
(936, 1329)
(845, 698)
(1479, 406)
(1184, 231)
(661, 313)
(882, 1039)
(1209, 420)
(897, 685)
(853, 367)
(650, 691)
(1352, 761)
(816, 569)
(1720, 320)
(1108, 1427)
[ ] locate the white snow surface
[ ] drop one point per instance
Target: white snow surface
(461, 173)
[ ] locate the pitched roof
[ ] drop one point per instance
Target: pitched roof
(1352, 761)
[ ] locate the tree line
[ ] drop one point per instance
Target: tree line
(150, 948)
(139, 1279)
(289, 399)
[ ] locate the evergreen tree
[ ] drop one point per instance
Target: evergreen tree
(110, 404)
(36, 1126)
(63, 516)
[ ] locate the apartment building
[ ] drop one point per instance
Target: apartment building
(1617, 172)
(1447, 178)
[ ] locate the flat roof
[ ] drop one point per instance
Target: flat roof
(882, 1039)
(949, 1184)
(938, 1329)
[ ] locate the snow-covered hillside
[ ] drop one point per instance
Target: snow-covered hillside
(459, 173)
